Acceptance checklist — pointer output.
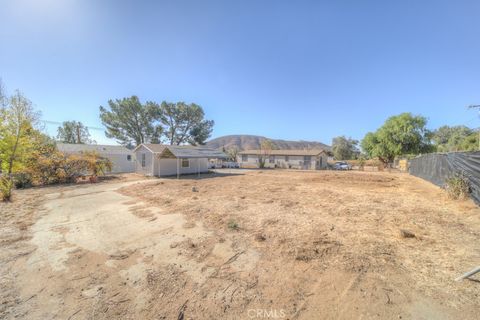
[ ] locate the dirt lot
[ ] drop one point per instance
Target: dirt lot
(253, 245)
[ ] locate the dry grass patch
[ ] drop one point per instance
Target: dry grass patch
(344, 221)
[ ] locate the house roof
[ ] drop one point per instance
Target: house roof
(155, 148)
(99, 148)
(184, 151)
(286, 152)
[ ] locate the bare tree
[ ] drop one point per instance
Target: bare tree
(232, 152)
(266, 147)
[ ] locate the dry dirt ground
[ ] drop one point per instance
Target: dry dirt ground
(252, 245)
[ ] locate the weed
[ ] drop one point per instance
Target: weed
(233, 225)
(6, 186)
(458, 186)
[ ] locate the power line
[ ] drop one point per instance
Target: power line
(60, 123)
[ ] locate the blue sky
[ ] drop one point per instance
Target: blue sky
(295, 70)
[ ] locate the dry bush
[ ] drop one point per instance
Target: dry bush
(56, 167)
(96, 165)
(50, 166)
(458, 186)
(6, 186)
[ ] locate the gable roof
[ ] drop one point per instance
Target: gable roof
(286, 152)
(99, 148)
(152, 147)
(183, 151)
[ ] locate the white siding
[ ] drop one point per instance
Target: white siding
(168, 167)
(252, 160)
(120, 162)
(147, 169)
(279, 161)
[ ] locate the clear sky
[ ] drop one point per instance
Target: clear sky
(295, 70)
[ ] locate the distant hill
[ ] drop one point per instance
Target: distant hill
(248, 142)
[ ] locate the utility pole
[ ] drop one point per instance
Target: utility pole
(476, 107)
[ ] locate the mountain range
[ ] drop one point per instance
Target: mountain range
(249, 142)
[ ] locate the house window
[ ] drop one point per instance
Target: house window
(307, 158)
(244, 157)
(129, 157)
(143, 160)
(271, 159)
(185, 163)
(286, 158)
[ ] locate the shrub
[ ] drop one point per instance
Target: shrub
(232, 224)
(458, 186)
(361, 163)
(46, 165)
(22, 180)
(52, 167)
(97, 165)
(72, 167)
(6, 186)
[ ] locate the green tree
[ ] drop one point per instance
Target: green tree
(185, 123)
(130, 122)
(456, 138)
(3, 117)
(18, 132)
(344, 148)
(399, 135)
(74, 132)
(470, 142)
(18, 137)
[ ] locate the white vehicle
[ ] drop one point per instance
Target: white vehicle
(214, 165)
(232, 165)
(341, 165)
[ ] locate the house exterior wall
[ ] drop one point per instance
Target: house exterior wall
(280, 161)
(163, 167)
(251, 161)
(120, 162)
(168, 167)
(146, 169)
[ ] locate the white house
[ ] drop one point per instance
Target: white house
(288, 159)
(123, 159)
(164, 160)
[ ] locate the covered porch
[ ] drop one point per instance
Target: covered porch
(178, 160)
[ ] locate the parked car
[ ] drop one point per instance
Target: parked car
(215, 165)
(341, 165)
(231, 165)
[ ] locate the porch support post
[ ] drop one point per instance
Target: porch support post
(178, 168)
(159, 166)
(153, 164)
